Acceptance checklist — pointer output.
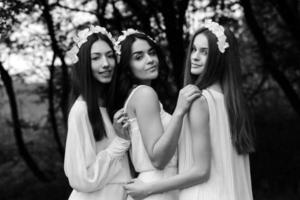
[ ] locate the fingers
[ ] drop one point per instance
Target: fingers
(126, 125)
(191, 93)
(125, 187)
(194, 96)
(189, 87)
(122, 120)
(131, 181)
(189, 90)
(120, 114)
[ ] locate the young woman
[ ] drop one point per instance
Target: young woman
(216, 134)
(154, 133)
(96, 162)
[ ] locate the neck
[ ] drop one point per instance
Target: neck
(146, 82)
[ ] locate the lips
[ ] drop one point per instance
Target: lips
(105, 73)
(152, 68)
(196, 65)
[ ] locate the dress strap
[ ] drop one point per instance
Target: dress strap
(130, 95)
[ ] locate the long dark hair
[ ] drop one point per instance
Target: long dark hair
(225, 68)
(86, 86)
(123, 78)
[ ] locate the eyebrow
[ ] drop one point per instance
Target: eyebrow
(201, 47)
(139, 52)
(97, 53)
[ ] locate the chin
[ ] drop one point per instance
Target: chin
(104, 80)
(196, 71)
(154, 76)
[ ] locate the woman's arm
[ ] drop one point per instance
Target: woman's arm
(198, 120)
(161, 144)
(87, 170)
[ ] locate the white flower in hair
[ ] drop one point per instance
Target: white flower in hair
(122, 37)
(81, 38)
(97, 29)
(126, 33)
(218, 31)
(72, 54)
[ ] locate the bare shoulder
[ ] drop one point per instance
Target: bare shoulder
(200, 105)
(144, 95)
(198, 116)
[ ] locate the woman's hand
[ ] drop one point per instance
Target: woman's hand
(137, 189)
(185, 98)
(121, 124)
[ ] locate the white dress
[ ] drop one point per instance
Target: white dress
(230, 172)
(141, 161)
(95, 170)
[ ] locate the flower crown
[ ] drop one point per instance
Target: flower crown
(122, 37)
(81, 38)
(218, 31)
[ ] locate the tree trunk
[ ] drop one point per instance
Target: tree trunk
(174, 32)
(52, 109)
(100, 12)
(32, 165)
(269, 61)
(291, 18)
(58, 51)
(142, 14)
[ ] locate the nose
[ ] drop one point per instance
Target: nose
(149, 58)
(195, 56)
(104, 62)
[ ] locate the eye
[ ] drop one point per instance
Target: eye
(138, 56)
(110, 55)
(152, 52)
(204, 51)
(194, 49)
(95, 57)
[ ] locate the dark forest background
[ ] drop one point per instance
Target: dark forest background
(33, 113)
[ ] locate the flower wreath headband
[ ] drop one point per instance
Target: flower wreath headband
(81, 38)
(218, 31)
(122, 37)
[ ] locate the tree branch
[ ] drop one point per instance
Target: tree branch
(32, 165)
(51, 109)
(58, 51)
(269, 61)
(75, 9)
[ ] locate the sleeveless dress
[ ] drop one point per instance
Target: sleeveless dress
(230, 172)
(141, 161)
(95, 170)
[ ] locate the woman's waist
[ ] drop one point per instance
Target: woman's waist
(140, 157)
(123, 176)
(109, 191)
(155, 174)
(145, 165)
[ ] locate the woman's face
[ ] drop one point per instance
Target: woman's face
(144, 61)
(199, 54)
(102, 61)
